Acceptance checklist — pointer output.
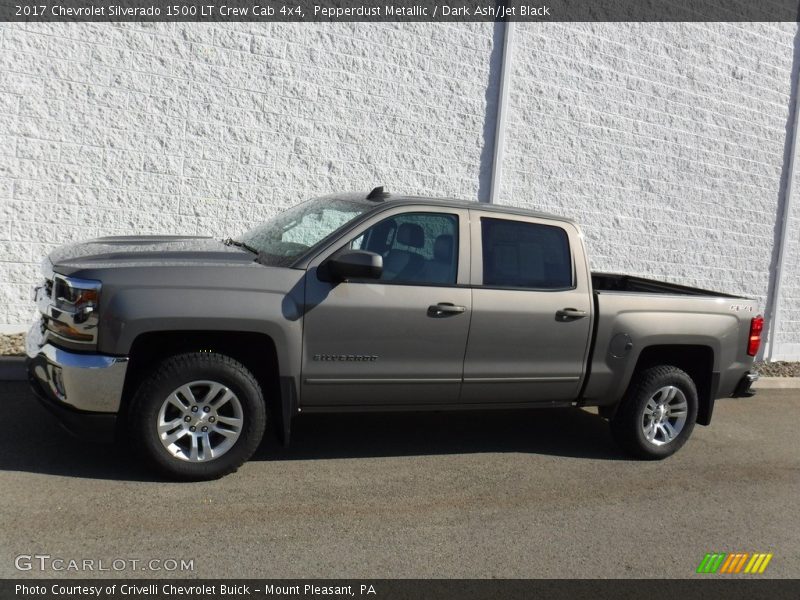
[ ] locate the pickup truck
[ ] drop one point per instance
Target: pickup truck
(187, 347)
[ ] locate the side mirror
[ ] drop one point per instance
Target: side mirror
(353, 264)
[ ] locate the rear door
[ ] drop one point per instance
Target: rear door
(399, 340)
(531, 311)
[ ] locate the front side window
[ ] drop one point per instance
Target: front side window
(416, 247)
(525, 255)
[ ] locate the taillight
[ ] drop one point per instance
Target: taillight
(754, 343)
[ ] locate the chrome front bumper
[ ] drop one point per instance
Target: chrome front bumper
(84, 382)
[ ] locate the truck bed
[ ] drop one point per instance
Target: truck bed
(633, 313)
(617, 282)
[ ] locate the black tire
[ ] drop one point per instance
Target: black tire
(630, 423)
(180, 370)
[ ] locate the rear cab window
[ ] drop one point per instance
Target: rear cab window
(524, 255)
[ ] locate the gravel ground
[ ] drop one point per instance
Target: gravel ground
(14, 345)
(778, 369)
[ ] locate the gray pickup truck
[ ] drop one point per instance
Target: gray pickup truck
(186, 347)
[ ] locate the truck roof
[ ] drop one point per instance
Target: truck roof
(382, 199)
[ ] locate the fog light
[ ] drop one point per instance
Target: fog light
(57, 381)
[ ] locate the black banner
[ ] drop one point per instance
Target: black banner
(398, 10)
(702, 588)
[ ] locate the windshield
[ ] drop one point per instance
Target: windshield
(290, 233)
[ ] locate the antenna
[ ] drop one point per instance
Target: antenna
(377, 194)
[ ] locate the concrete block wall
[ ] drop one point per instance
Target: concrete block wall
(665, 141)
(787, 338)
(190, 128)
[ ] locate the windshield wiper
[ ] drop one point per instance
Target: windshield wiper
(233, 242)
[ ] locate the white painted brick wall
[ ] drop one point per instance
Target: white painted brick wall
(665, 141)
(787, 340)
(208, 129)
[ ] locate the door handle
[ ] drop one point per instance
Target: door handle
(568, 314)
(445, 309)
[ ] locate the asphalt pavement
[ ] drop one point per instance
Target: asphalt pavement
(506, 494)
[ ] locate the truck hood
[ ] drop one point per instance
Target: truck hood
(140, 251)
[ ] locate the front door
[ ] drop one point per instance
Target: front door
(399, 340)
(531, 311)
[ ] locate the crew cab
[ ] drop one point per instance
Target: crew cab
(186, 347)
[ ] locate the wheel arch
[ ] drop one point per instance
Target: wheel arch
(256, 351)
(696, 360)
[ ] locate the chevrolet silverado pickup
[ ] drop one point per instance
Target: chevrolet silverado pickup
(186, 347)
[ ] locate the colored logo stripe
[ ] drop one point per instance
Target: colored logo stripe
(758, 563)
(734, 563)
(722, 562)
(711, 562)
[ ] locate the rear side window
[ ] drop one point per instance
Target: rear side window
(525, 255)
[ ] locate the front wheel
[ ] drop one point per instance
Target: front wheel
(657, 414)
(198, 416)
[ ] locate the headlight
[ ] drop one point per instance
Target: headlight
(73, 295)
(73, 309)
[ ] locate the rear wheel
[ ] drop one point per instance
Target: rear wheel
(657, 414)
(198, 416)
